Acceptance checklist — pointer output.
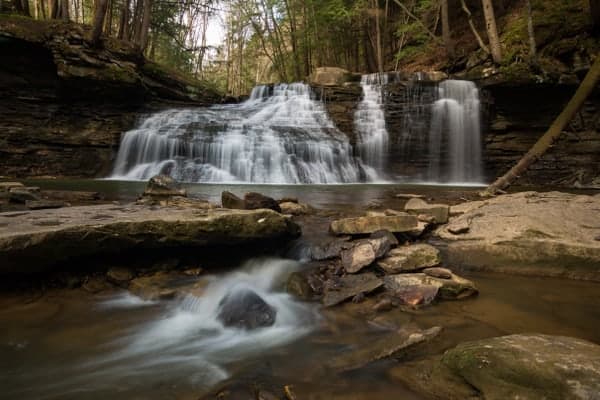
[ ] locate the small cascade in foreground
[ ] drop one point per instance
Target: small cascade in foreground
(279, 135)
(455, 134)
(369, 120)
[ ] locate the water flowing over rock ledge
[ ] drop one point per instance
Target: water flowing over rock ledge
(34, 241)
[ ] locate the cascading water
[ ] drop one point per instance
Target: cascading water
(369, 121)
(279, 135)
(455, 134)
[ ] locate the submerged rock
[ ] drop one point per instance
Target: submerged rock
(388, 346)
(526, 366)
(367, 225)
(439, 212)
(23, 194)
(547, 234)
(42, 204)
(245, 309)
(410, 258)
(294, 208)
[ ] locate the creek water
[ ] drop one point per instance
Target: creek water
(71, 344)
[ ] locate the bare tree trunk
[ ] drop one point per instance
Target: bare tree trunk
(99, 14)
(26, 11)
(53, 9)
(65, 10)
(482, 44)
(124, 21)
(108, 18)
(492, 31)
(417, 19)
(446, 35)
(552, 134)
(145, 27)
(375, 6)
(532, 45)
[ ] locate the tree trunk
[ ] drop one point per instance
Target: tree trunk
(492, 31)
(375, 6)
(482, 44)
(64, 9)
(532, 45)
(124, 21)
(595, 11)
(53, 9)
(99, 14)
(145, 28)
(446, 29)
(552, 134)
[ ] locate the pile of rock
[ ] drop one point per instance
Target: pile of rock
(407, 274)
(17, 193)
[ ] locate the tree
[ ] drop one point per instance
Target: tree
(446, 28)
(99, 14)
(532, 45)
(492, 31)
(552, 134)
(480, 41)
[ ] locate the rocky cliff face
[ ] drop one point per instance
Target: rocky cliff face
(64, 105)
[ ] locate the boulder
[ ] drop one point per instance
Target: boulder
(165, 285)
(410, 258)
(329, 76)
(349, 286)
(388, 346)
(437, 272)
(368, 225)
(298, 285)
(418, 286)
(23, 194)
(438, 211)
(230, 200)
(255, 201)
(544, 234)
(331, 249)
(6, 186)
(245, 309)
(292, 208)
(389, 236)
(366, 251)
(163, 186)
(524, 366)
(119, 276)
(36, 240)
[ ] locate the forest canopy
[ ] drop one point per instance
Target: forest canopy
(284, 40)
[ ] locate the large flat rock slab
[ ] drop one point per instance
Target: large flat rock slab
(530, 233)
(35, 240)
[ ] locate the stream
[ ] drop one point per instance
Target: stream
(72, 344)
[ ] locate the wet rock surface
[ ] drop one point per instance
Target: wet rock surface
(438, 212)
(163, 186)
(245, 309)
(531, 233)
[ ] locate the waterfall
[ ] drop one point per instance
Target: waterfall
(279, 135)
(369, 121)
(455, 134)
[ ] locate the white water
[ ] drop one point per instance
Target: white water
(455, 134)
(185, 340)
(279, 135)
(369, 121)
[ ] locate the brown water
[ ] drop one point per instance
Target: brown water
(71, 344)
